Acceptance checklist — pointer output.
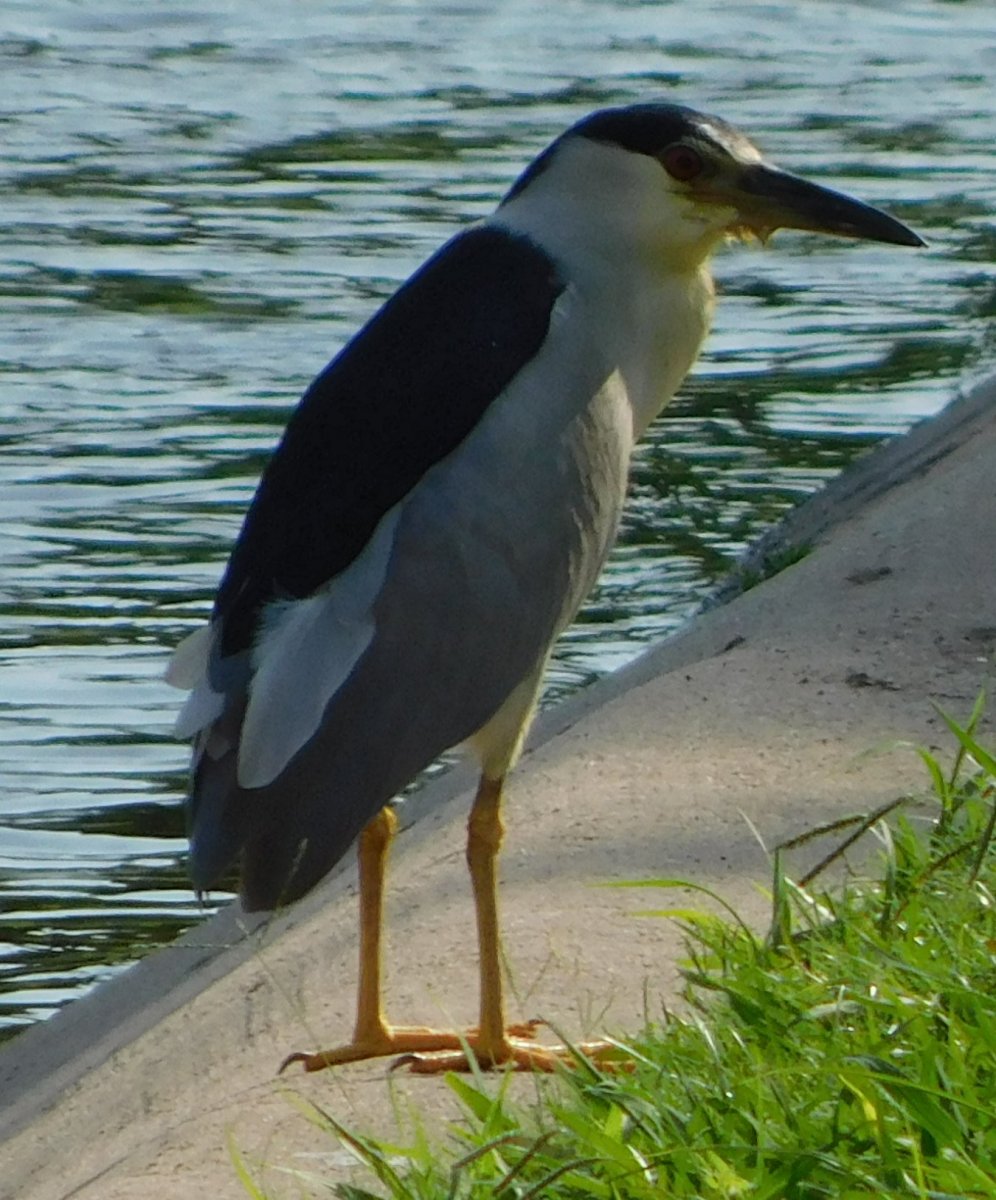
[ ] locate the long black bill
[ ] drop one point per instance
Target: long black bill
(774, 199)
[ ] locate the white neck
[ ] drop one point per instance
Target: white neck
(604, 215)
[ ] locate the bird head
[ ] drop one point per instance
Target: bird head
(671, 183)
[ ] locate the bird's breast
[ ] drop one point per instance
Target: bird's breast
(657, 330)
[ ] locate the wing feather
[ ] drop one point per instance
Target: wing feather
(303, 657)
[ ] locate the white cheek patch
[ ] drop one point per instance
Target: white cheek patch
(304, 654)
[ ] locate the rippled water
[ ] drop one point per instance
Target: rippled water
(198, 207)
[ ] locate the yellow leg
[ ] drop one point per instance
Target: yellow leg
(374, 849)
(428, 1051)
(373, 1037)
(485, 831)
(494, 1043)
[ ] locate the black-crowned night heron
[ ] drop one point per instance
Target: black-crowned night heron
(441, 502)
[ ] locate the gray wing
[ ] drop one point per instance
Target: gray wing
(331, 696)
(491, 555)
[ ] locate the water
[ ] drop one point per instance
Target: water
(198, 207)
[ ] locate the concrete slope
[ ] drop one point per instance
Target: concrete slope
(778, 710)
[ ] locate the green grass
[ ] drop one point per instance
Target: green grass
(851, 1052)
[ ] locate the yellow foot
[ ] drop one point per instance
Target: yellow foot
(409, 1041)
(427, 1051)
(514, 1055)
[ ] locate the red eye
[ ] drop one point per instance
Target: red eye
(682, 162)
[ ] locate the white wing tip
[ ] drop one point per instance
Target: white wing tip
(188, 666)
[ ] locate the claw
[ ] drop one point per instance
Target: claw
(432, 1052)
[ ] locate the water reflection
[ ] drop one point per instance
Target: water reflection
(194, 215)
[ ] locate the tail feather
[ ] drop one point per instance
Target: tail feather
(217, 810)
(284, 837)
(215, 828)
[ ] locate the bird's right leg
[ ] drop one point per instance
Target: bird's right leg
(371, 1028)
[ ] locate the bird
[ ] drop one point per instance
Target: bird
(441, 501)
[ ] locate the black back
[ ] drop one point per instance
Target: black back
(398, 398)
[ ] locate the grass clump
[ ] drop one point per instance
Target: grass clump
(849, 1053)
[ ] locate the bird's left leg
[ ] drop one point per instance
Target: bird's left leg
(493, 1043)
